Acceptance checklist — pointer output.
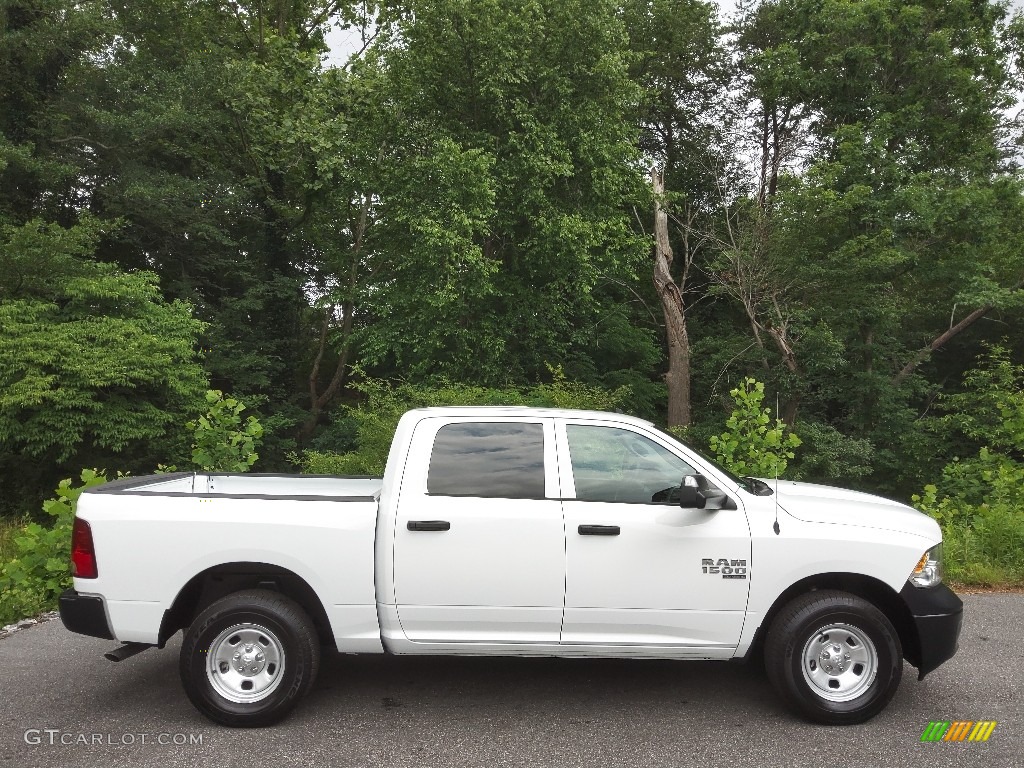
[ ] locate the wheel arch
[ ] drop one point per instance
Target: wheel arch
(877, 592)
(220, 580)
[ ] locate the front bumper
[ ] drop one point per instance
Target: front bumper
(937, 614)
(84, 614)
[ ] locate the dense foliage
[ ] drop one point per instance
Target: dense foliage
(34, 561)
(754, 444)
(376, 418)
(978, 498)
(458, 197)
(93, 360)
(222, 440)
(38, 571)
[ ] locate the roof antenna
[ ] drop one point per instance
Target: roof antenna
(775, 527)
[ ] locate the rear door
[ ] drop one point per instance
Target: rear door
(479, 540)
(636, 563)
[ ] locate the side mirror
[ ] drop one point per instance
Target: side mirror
(691, 493)
(696, 492)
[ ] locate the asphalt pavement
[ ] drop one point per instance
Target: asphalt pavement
(63, 704)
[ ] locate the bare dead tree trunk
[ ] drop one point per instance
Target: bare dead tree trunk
(674, 308)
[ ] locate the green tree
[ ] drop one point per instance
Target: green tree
(898, 229)
(94, 364)
(206, 131)
(979, 498)
(385, 403)
(222, 440)
(510, 165)
(209, 199)
(753, 444)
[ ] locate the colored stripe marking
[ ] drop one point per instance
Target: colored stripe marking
(935, 731)
(958, 730)
(982, 730)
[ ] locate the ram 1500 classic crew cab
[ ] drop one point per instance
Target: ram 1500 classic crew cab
(513, 531)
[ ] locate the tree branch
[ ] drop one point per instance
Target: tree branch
(329, 10)
(940, 341)
(83, 140)
(944, 338)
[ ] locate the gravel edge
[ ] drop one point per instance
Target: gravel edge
(9, 629)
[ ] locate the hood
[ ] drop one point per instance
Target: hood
(824, 504)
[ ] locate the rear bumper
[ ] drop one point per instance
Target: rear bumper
(84, 614)
(937, 614)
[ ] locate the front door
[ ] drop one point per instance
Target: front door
(636, 563)
(480, 542)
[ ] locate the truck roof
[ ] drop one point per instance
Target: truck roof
(522, 410)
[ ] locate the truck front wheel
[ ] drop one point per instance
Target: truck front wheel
(834, 657)
(248, 658)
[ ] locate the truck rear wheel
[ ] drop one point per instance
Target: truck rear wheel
(834, 657)
(248, 658)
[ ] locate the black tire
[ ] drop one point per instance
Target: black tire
(248, 658)
(833, 657)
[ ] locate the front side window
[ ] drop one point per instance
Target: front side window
(612, 464)
(490, 460)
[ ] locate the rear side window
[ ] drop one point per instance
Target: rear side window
(497, 460)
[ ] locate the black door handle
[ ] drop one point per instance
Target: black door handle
(599, 530)
(429, 525)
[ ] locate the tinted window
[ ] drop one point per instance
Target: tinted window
(611, 464)
(491, 460)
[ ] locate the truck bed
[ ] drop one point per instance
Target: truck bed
(256, 485)
(156, 533)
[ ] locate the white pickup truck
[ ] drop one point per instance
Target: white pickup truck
(513, 532)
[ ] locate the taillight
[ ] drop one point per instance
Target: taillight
(83, 553)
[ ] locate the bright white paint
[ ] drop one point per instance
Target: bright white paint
(511, 577)
(498, 574)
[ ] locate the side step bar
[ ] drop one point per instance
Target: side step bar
(126, 651)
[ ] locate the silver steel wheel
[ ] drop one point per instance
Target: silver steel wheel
(245, 663)
(839, 662)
